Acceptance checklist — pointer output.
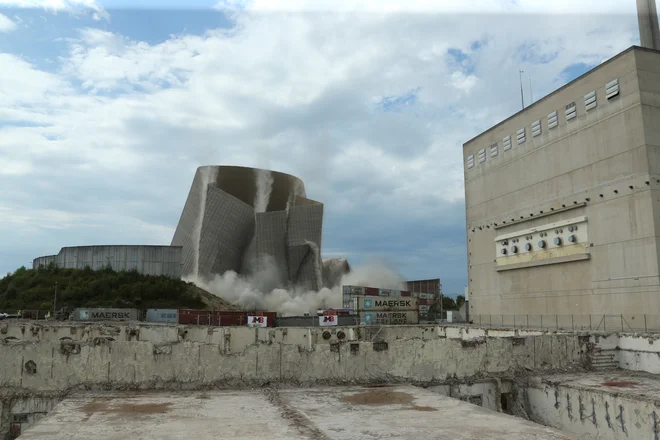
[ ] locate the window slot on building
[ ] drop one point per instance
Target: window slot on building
(571, 111)
(482, 155)
(470, 161)
(536, 128)
(553, 120)
(612, 89)
(493, 150)
(521, 136)
(506, 143)
(590, 100)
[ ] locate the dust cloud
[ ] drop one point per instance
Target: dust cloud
(258, 292)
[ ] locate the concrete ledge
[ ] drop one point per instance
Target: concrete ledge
(549, 261)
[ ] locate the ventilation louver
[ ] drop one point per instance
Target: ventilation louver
(590, 101)
(470, 161)
(571, 111)
(493, 150)
(521, 136)
(553, 120)
(612, 89)
(482, 155)
(536, 128)
(506, 143)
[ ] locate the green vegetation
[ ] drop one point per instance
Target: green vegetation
(28, 289)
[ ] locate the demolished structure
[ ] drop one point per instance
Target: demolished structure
(243, 219)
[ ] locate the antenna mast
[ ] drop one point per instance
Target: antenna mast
(522, 97)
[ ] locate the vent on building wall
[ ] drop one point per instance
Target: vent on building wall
(521, 136)
(536, 128)
(470, 161)
(482, 155)
(590, 100)
(493, 150)
(571, 111)
(506, 143)
(553, 120)
(612, 89)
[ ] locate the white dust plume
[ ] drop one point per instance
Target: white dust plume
(255, 292)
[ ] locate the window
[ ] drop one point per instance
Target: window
(552, 120)
(521, 136)
(612, 89)
(493, 150)
(571, 111)
(506, 143)
(536, 128)
(470, 161)
(590, 100)
(482, 155)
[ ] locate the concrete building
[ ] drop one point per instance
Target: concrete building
(149, 260)
(241, 219)
(563, 198)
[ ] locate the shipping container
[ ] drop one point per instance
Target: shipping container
(162, 315)
(367, 303)
(99, 314)
(432, 287)
(390, 318)
(405, 293)
(221, 318)
(371, 291)
(353, 290)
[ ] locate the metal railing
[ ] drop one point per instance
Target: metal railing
(621, 322)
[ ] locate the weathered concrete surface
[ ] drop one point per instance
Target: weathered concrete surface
(597, 406)
(320, 414)
(51, 358)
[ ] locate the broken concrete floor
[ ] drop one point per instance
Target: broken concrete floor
(346, 413)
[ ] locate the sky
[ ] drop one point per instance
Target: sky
(108, 107)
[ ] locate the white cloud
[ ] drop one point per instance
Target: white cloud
(369, 109)
(560, 7)
(6, 25)
(98, 13)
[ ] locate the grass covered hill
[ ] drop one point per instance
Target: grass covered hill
(28, 289)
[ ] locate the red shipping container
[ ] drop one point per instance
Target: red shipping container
(405, 293)
(371, 291)
(212, 317)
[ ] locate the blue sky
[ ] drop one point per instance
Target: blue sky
(107, 108)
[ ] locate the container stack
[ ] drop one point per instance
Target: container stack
(355, 298)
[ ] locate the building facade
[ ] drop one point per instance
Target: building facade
(148, 260)
(563, 198)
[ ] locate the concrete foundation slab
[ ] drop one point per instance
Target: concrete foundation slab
(354, 413)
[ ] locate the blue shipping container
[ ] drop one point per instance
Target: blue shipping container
(162, 315)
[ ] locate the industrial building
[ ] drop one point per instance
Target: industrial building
(562, 198)
(148, 260)
(241, 219)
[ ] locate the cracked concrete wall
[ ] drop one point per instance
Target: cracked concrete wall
(633, 351)
(66, 356)
(590, 414)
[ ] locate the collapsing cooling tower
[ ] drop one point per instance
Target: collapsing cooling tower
(236, 218)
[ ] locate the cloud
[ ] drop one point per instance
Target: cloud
(369, 109)
(55, 6)
(6, 25)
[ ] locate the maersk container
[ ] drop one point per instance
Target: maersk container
(390, 318)
(162, 315)
(379, 303)
(100, 314)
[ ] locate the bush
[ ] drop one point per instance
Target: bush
(28, 289)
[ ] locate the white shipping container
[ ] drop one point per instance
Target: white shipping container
(415, 294)
(390, 318)
(384, 292)
(328, 320)
(368, 303)
(424, 309)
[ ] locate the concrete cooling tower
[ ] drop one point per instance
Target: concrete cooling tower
(240, 219)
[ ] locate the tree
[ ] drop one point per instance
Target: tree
(460, 300)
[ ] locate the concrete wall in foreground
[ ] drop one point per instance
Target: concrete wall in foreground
(52, 358)
(591, 414)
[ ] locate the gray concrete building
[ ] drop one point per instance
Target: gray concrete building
(149, 260)
(239, 219)
(563, 198)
